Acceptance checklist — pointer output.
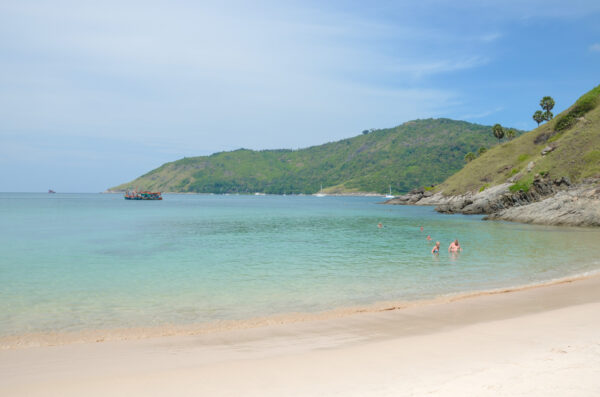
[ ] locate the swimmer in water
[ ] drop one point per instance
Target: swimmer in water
(428, 237)
(454, 246)
(436, 250)
(421, 228)
(379, 225)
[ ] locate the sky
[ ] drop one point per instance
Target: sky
(94, 94)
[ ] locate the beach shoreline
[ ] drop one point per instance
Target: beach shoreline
(41, 339)
(534, 341)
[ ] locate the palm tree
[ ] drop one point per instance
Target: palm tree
(547, 103)
(498, 131)
(538, 116)
(511, 133)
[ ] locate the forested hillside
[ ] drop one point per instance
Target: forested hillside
(416, 153)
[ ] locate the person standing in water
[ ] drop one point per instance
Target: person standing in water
(436, 250)
(454, 246)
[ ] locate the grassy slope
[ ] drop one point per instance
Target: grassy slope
(416, 153)
(577, 154)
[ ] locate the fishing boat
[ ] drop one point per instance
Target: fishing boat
(50, 191)
(145, 195)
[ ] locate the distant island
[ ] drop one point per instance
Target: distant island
(416, 153)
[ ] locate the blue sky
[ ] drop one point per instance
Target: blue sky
(93, 94)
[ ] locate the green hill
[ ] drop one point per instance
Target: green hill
(416, 153)
(573, 135)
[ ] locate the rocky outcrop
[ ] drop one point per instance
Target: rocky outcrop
(547, 201)
(578, 206)
(413, 197)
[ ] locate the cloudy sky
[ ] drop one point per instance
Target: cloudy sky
(93, 94)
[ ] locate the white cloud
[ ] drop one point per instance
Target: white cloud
(490, 37)
(481, 115)
(206, 76)
(216, 72)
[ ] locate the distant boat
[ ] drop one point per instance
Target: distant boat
(320, 194)
(145, 195)
(51, 191)
(390, 195)
(260, 194)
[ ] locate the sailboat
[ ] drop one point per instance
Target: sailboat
(390, 195)
(320, 194)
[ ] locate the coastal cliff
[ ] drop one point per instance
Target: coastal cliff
(548, 202)
(550, 175)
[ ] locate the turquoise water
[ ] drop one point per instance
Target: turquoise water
(72, 262)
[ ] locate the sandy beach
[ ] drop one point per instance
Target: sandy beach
(536, 342)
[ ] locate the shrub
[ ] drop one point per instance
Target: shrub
(513, 172)
(583, 105)
(523, 157)
(523, 184)
(469, 157)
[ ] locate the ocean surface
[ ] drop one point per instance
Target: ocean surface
(74, 262)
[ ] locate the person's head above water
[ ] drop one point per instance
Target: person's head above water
(456, 242)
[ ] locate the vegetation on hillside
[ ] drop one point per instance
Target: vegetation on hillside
(573, 142)
(416, 153)
(547, 104)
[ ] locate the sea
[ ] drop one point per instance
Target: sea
(76, 262)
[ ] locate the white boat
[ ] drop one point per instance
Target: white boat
(320, 194)
(390, 195)
(260, 194)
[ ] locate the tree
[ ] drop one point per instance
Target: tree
(538, 116)
(547, 103)
(365, 132)
(481, 150)
(511, 133)
(498, 131)
(469, 157)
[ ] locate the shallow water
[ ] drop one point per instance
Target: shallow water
(72, 262)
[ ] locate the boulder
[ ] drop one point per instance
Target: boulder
(547, 150)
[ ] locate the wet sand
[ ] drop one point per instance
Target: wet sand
(536, 341)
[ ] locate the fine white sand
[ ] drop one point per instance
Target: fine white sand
(535, 342)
